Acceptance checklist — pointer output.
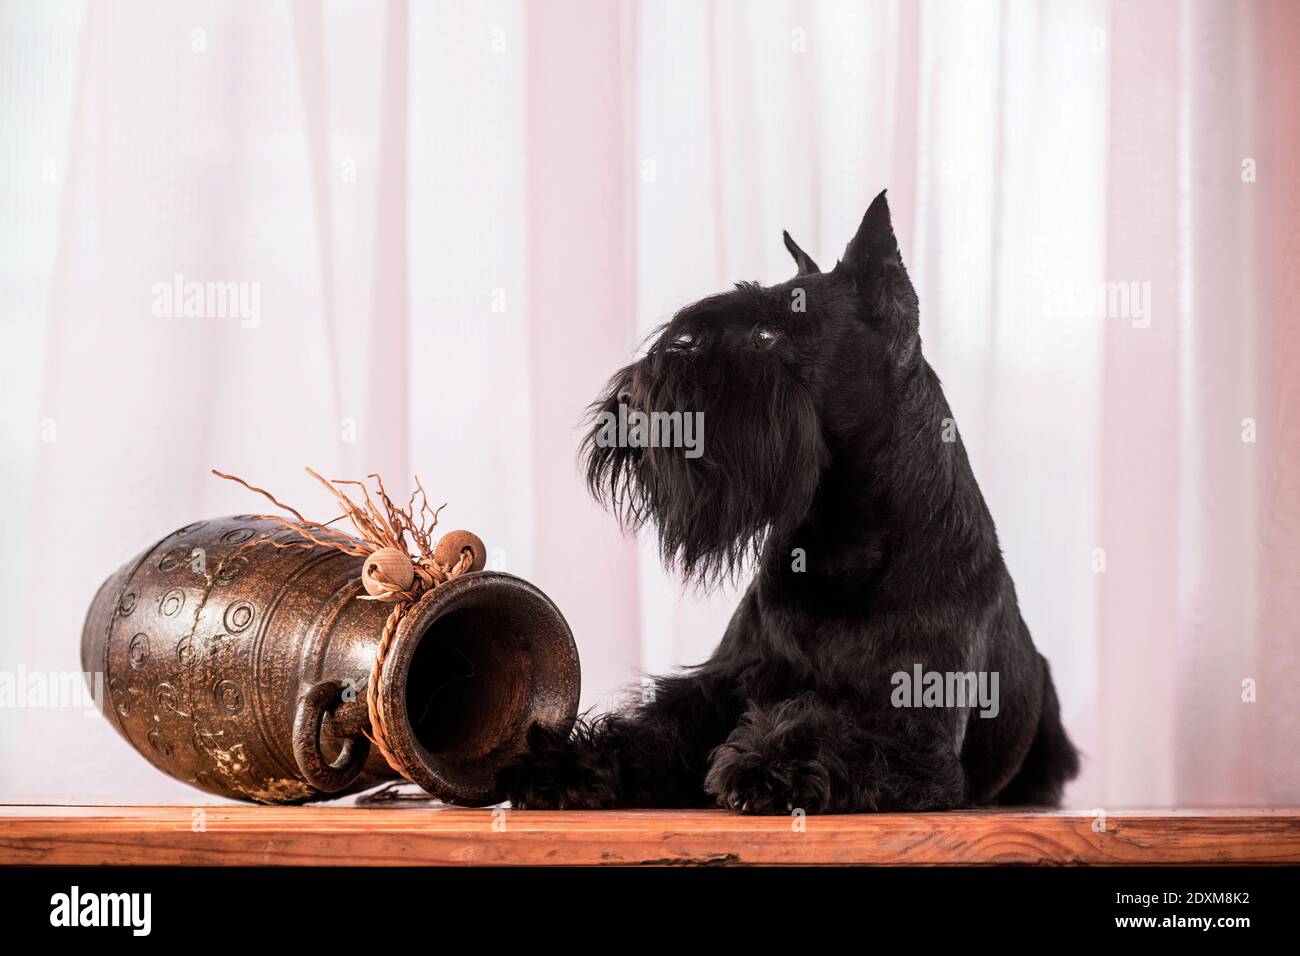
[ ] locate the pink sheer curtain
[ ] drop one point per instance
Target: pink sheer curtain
(461, 218)
(1198, 522)
(580, 302)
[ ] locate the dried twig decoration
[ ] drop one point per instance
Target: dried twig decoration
(384, 536)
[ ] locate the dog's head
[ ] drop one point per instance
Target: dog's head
(726, 426)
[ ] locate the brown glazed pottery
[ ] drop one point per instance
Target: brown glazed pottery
(245, 674)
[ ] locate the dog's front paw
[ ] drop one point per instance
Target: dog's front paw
(558, 773)
(749, 775)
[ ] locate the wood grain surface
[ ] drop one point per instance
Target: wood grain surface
(230, 835)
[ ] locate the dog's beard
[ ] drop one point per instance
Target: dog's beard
(757, 469)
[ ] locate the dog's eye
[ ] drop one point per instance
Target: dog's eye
(764, 336)
(683, 342)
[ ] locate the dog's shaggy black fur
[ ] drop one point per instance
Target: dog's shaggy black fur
(829, 455)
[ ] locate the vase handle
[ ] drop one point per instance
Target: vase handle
(314, 703)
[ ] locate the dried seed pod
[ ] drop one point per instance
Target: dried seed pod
(393, 565)
(450, 545)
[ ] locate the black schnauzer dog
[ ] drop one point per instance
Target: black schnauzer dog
(832, 460)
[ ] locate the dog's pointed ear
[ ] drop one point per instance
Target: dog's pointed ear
(801, 258)
(875, 265)
(874, 247)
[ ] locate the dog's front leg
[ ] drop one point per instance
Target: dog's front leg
(810, 754)
(654, 756)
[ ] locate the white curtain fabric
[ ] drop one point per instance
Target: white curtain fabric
(462, 217)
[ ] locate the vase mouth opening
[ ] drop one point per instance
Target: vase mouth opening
(474, 664)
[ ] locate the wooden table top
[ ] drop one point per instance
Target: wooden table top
(399, 831)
